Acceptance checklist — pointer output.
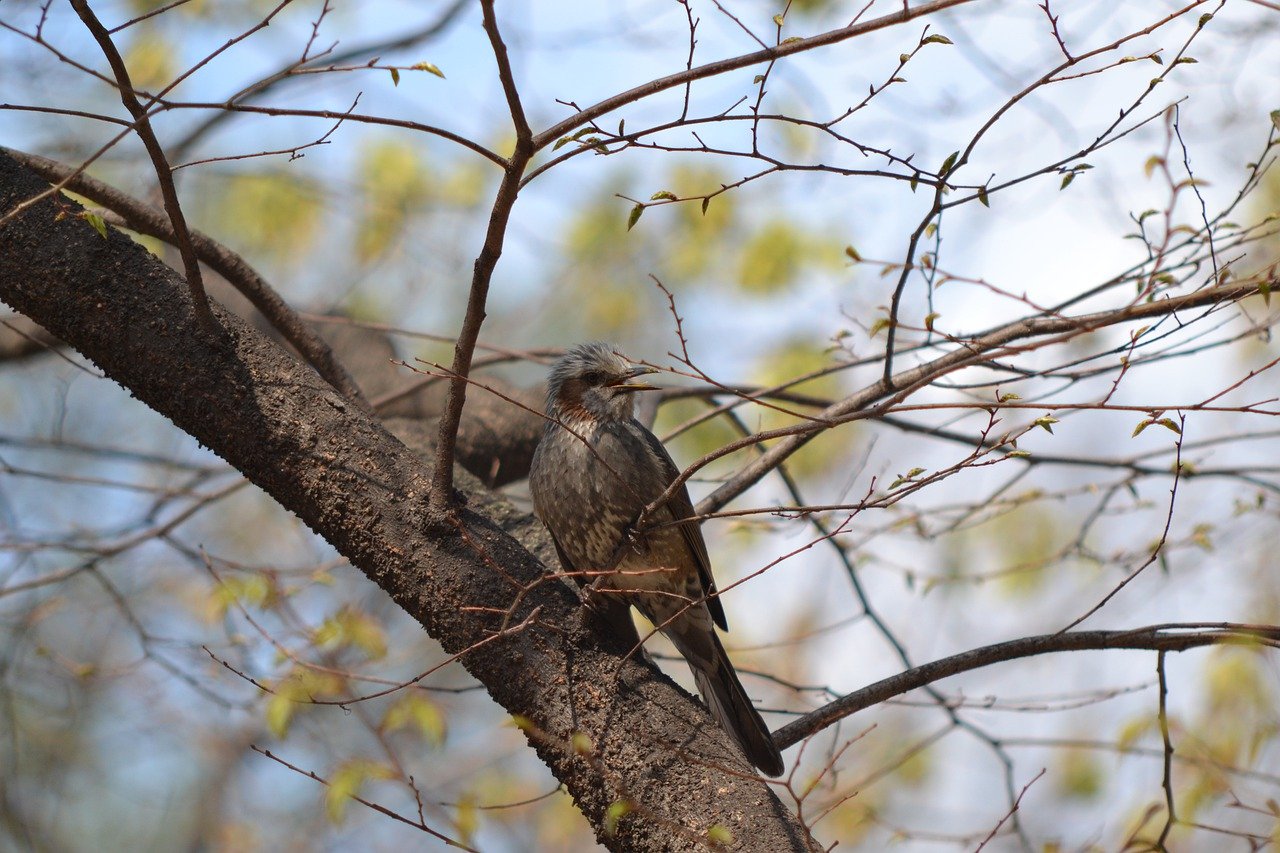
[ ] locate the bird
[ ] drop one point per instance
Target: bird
(594, 471)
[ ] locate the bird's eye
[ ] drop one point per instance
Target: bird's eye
(592, 377)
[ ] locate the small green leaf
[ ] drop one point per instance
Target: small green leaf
(719, 835)
(1066, 180)
(634, 217)
(937, 38)
(395, 76)
(560, 143)
(759, 78)
(777, 19)
(1204, 19)
(429, 68)
(706, 202)
(253, 590)
(346, 783)
(904, 58)
(949, 162)
(352, 628)
(908, 477)
(929, 318)
(415, 711)
(1153, 162)
(582, 744)
(1004, 398)
(1156, 58)
(96, 222)
(882, 323)
(1169, 424)
(1264, 287)
(791, 40)
(1017, 454)
(982, 197)
(1046, 423)
(279, 712)
(1186, 60)
(617, 810)
(663, 195)
(1137, 431)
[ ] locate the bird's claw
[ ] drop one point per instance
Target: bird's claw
(593, 599)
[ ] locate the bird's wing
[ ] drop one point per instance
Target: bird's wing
(680, 506)
(614, 613)
(566, 563)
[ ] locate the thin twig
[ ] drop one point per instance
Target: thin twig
(1171, 816)
(310, 774)
(164, 174)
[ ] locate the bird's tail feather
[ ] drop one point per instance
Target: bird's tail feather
(732, 708)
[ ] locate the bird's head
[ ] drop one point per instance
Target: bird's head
(593, 382)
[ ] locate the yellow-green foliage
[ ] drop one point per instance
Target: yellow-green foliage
(1079, 775)
(150, 60)
(1022, 540)
(778, 252)
(275, 212)
(395, 183)
(793, 357)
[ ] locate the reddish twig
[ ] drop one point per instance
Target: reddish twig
(416, 824)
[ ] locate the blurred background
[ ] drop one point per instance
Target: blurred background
(148, 595)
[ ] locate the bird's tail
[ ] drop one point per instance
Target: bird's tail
(732, 708)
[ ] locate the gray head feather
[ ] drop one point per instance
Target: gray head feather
(591, 381)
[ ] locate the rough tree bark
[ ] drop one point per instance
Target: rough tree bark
(610, 727)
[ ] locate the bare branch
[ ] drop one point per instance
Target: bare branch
(1160, 638)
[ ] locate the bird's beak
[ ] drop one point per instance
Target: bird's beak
(624, 383)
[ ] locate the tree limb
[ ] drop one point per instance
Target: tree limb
(610, 727)
(1160, 638)
(145, 219)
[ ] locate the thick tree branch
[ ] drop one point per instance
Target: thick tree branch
(145, 219)
(365, 492)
